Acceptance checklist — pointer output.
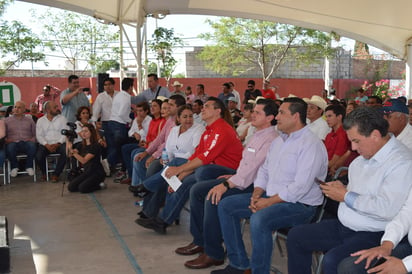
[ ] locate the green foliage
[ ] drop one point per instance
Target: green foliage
(18, 44)
(260, 44)
(81, 38)
(179, 75)
(3, 5)
(163, 43)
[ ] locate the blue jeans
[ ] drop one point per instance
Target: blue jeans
(158, 189)
(127, 150)
(204, 220)
(28, 148)
(328, 236)
(138, 168)
(262, 223)
(347, 266)
(2, 157)
(176, 200)
(117, 136)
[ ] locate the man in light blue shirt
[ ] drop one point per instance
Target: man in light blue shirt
(72, 98)
(379, 183)
(285, 193)
(153, 91)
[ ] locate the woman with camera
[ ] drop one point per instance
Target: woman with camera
(88, 156)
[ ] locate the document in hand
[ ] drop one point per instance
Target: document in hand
(173, 181)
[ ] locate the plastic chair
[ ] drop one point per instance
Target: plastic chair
(21, 157)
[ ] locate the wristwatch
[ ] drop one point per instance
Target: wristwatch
(226, 184)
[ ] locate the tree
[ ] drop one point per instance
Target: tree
(261, 44)
(81, 38)
(163, 43)
(18, 44)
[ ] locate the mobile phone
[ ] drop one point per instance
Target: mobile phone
(319, 181)
(86, 89)
(378, 262)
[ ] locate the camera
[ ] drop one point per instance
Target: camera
(70, 133)
(86, 89)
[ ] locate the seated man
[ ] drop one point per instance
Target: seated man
(220, 150)
(336, 142)
(376, 191)
(48, 133)
(397, 115)
(204, 221)
(316, 107)
(20, 138)
(285, 193)
(394, 248)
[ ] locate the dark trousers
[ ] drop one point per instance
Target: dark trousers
(42, 153)
(329, 236)
(87, 182)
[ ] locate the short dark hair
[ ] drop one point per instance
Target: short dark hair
(248, 107)
(179, 99)
(378, 99)
(270, 108)
(337, 110)
(366, 119)
(251, 82)
(182, 108)
(201, 86)
(127, 83)
(154, 75)
(226, 85)
(199, 102)
(72, 77)
(157, 101)
(111, 80)
(144, 105)
(297, 105)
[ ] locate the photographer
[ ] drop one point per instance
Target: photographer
(48, 134)
(88, 156)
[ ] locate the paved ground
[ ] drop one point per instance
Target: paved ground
(88, 233)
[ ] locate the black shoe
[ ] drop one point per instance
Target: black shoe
(139, 190)
(142, 215)
(146, 223)
(160, 226)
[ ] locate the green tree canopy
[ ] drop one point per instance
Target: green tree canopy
(261, 44)
(162, 45)
(81, 38)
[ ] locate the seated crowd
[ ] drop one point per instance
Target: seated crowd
(274, 164)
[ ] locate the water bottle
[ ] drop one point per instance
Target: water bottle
(165, 157)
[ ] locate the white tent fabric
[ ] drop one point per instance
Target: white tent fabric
(383, 24)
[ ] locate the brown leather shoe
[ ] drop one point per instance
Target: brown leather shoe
(190, 249)
(126, 181)
(203, 261)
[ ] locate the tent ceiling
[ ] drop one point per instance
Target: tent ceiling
(383, 24)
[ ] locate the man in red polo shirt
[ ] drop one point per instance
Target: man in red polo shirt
(336, 142)
(267, 92)
(219, 152)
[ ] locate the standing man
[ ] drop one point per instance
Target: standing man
(46, 96)
(285, 193)
(200, 93)
(206, 195)
(225, 94)
(118, 121)
(267, 92)
(251, 93)
(177, 89)
(20, 138)
(48, 134)
(72, 98)
(234, 92)
(376, 191)
(154, 89)
(316, 107)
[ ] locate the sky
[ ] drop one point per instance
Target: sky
(187, 27)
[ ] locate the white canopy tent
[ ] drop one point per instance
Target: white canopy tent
(383, 24)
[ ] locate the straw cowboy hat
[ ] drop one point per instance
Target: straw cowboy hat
(177, 84)
(317, 101)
